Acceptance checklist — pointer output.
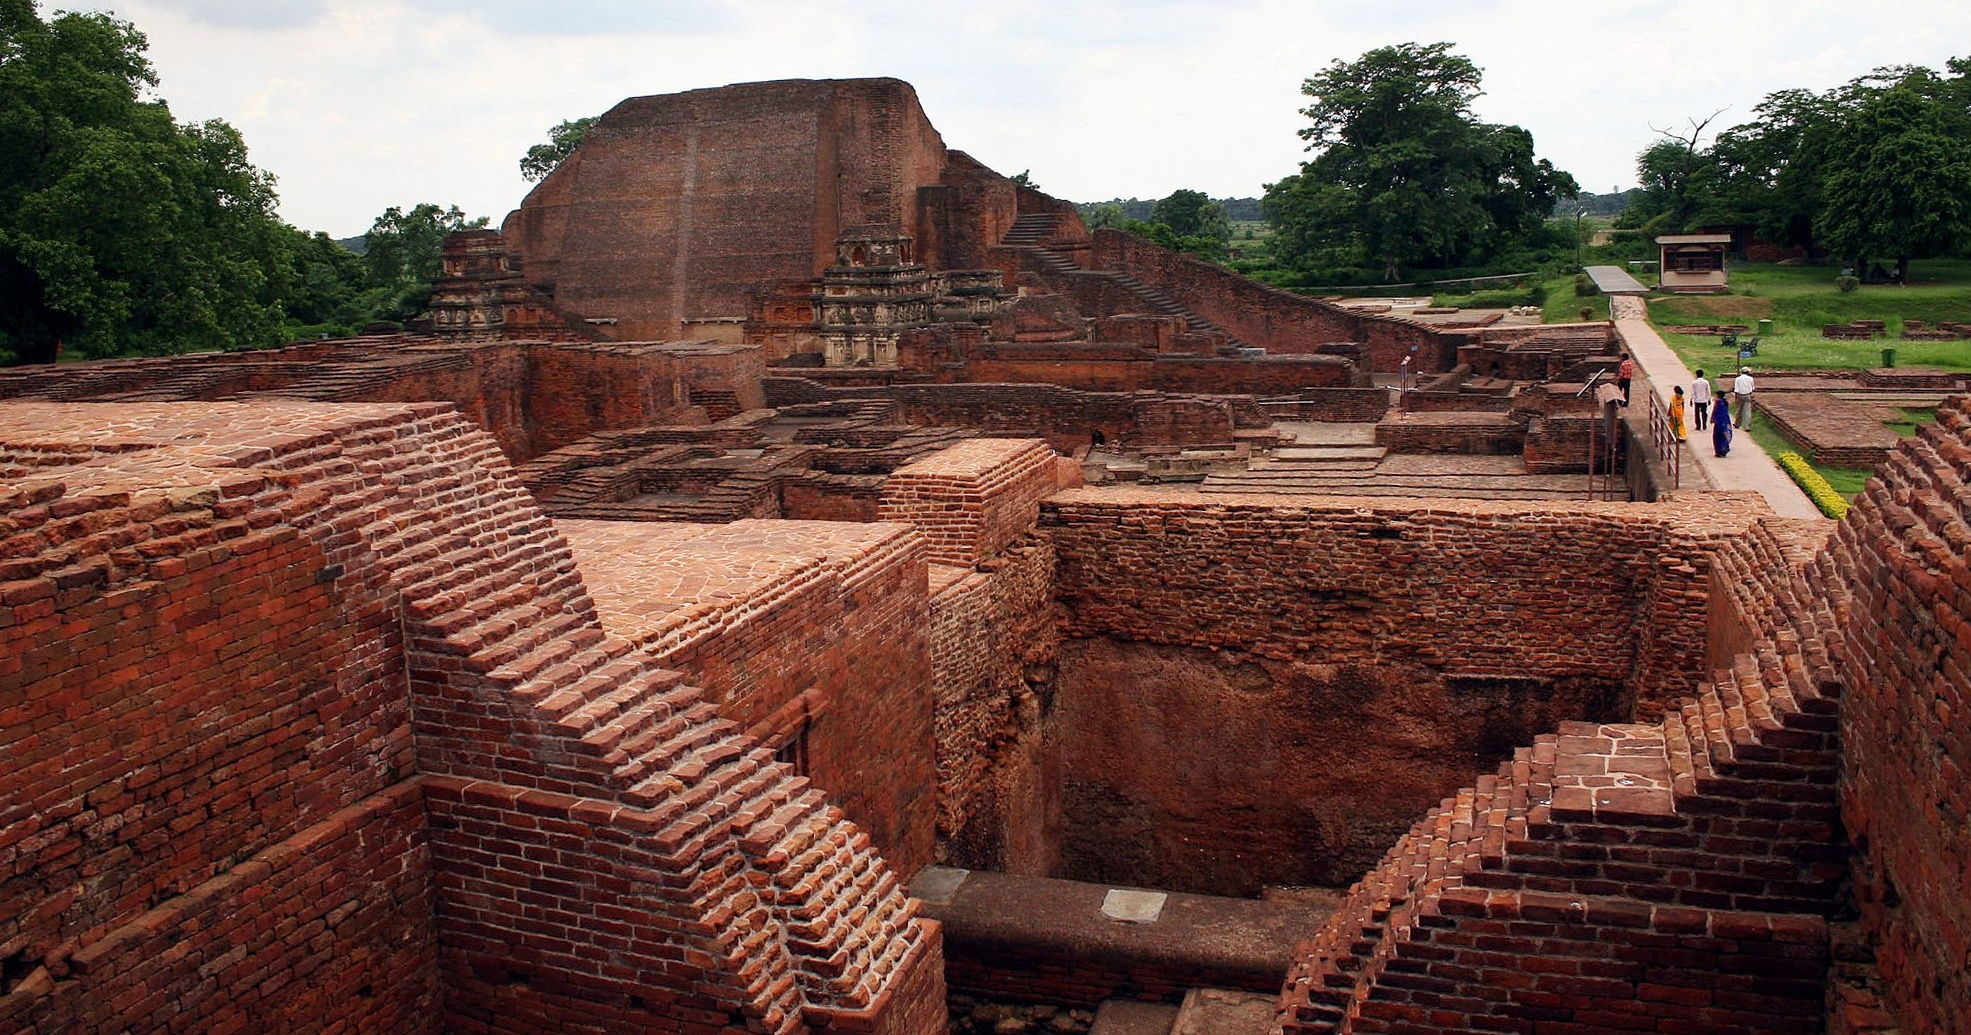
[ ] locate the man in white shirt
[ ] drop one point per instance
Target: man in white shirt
(1741, 390)
(1700, 399)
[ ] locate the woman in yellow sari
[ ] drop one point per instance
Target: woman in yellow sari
(1677, 413)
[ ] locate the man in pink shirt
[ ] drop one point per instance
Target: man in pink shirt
(1625, 374)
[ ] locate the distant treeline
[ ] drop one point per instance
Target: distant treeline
(1236, 209)
(1606, 206)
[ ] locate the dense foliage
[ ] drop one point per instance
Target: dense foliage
(123, 231)
(1404, 174)
(563, 139)
(1878, 169)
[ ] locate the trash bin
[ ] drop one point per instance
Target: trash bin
(1765, 328)
(1888, 357)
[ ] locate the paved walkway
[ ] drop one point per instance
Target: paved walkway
(1748, 467)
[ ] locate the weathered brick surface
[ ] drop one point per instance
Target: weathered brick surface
(532, 396)
(1829, 429)
(1900, 588)
(994, 654)
(1464, 432)
(1281, 320)
(385, 542)
(1625, 876)
(809, 631)
(970, 501)
(1065, 417)
(1246, 643)
(679, 207)
(329, 929)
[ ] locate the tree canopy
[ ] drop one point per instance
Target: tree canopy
(121, 229)
(1403, 173)
(1192, 213)
(1879, 168)
(404, 253)
(563, 139)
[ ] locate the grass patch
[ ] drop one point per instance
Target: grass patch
(1564, 306)
(1911, 420)
(1847, 481)
(1800, 300)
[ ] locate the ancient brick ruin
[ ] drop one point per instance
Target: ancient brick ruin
(526, 675)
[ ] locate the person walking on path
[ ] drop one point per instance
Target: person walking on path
(1677, 412)
(1700, 401)
(1741, 389)
(1721, 425)
(1625, 372)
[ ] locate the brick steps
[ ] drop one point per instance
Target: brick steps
(1031, 232)
(1750, 755)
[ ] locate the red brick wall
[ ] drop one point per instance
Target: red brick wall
(973, 499)
(1897, 587)
(1266, 316)
(194, 688)
(1462, 433)
(1070, 367)
(381, 542)
(1063, 416)
(994, 647)
(329, 929)
(1240, 642)
(682, 205)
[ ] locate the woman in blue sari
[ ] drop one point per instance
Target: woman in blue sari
(1721, 426)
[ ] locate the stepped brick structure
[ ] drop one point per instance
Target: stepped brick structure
(526, 675)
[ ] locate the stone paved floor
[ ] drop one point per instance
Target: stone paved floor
(1748, 467)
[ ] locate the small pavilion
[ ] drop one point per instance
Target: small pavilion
(1694, 262)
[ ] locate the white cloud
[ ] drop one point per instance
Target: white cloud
(361, 104)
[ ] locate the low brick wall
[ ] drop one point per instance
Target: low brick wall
(1458, 432)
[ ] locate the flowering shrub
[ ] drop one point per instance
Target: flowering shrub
(1816, 487)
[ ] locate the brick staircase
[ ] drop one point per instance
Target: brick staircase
(1032, 230)
(1614, 870)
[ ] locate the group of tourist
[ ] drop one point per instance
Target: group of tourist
(1713, 405)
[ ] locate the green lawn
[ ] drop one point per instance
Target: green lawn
(1802, 299)
(1847, 481)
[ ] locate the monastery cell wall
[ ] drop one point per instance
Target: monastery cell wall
(1239, 641)
(994, 650)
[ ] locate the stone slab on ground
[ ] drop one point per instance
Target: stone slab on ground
(1131, 1017)
(1322, 433)
(998, 917)
(1219, 1011)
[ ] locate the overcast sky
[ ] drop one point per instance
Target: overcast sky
(357, 105)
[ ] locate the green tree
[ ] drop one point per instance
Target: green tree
(120, 229)
(405, 253)
(563, 139)
(1770, 169)
(1680, 182)
(1106, 215)
(1403, 173)
(1193, 214)
(1025, 180)
(1898, 181)
(326, 285)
